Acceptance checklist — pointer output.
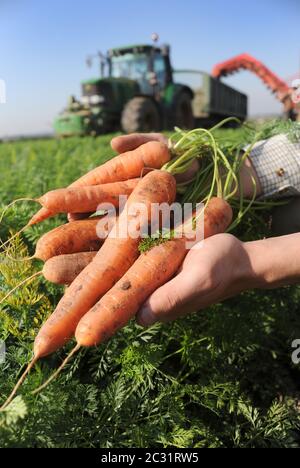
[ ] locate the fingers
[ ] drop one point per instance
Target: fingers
(124, 143)
(214, 271)
(190, 173)
(167, 303)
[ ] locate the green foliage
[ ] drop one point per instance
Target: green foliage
(220, 378)
(160, 237)
(11, 415)
(276, 127)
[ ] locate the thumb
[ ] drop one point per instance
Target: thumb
(164, 304)
(124, 143)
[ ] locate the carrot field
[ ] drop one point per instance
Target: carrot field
(220, 378)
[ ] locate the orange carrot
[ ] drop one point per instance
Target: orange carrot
(126, 166)
(110, 264)
(86, 199)
(63, 269)
(150, 271)
(80, 236)
(40, 216)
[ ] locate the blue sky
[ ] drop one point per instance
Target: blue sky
(43, 46)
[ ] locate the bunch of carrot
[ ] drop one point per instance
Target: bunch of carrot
(108, 278)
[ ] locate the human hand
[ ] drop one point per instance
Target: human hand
(215, 269)
(124, 143)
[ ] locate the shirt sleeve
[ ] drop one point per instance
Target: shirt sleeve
(277, 163)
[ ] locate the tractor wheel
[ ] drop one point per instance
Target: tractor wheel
(140, 115)
(183, 111)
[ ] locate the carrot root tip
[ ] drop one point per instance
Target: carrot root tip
(58, 371)
(19, 383)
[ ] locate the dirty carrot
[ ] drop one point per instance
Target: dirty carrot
(86, 199)
(65, 268)
(126, 166)
(62, 269)
(150, 271)
(80, 236)
(112, 261)
(109, 265)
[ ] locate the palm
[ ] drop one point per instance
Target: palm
(207, 276)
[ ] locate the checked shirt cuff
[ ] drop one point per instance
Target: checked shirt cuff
(277, 163)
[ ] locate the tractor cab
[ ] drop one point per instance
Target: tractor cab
(134, 92)
(147, 65)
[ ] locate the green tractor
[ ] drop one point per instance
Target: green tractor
(139, 91)
(137, 94)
